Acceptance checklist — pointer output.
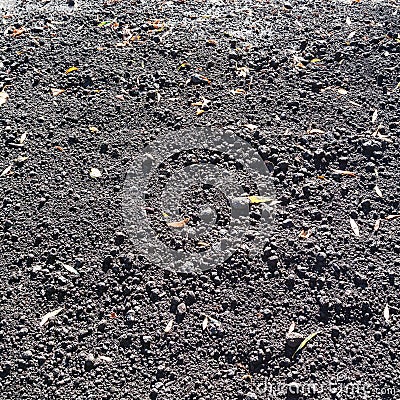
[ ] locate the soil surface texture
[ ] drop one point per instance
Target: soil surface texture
(313, 87)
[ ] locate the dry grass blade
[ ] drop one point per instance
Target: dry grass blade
(70, 269)
(179, 224)
(392, 216)
(49, 315)
(378, 191)
(6, 171)
(304, 343)
(342, 172)
(354, 226)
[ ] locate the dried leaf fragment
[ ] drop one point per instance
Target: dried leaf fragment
(93, 129)
(304, 343)
(238, 91)
(59, 148)
(199, 111)
(342, 172)
(71, 69)
(49, 315)
(378, 191)
(259, 199)
(305, 234)
(94, 173)
(104, 358)
(315, 60)
(23, 138)
(56, 92)
(169, 326)
(179, 224)
(354, 226)
(377, 224)
(392, 216)
(315, 130)
(291, 328)
(251, 126)
(342, 91)
(386, 313)
(3, 97)
(70, 269)
(18, 32)
(374, 116)
(6, 171)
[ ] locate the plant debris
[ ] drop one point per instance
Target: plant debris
(304, 343)
(50, 315)
(354, 226)
(179, 224)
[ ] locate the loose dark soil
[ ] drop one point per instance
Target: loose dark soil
(322, 92)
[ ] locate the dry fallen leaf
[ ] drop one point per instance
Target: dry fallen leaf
(71, 69)
(305, 234)
(251, 126)
(342, 91)
(94, 173)
(311, 131)
(378, 191)
(205, 323)
(354, 226)
(49, 315)
(104, 358)
(315, 60)
(199, 111)
(6, 171)
(341, 172)
(392, 216)
(56, 92)
(304, 343)
(386, 313)
(377, 224)
(169, 326)
(374, 116)
(17, 32)
(179, 224)
(238, 91)
(70, 269)
(23, 138)
(291, 328)
(59, 148)
(259, 199)
(93, 129)
(3, 97)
